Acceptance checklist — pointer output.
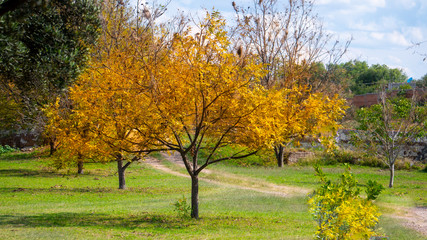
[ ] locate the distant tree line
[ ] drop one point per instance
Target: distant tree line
(357, 77)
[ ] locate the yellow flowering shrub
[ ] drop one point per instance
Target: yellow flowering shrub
(339, 210)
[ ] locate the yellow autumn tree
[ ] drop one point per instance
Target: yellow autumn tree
(288, 37)
(120, 113)
(110, 119)
(297, 113)
(207, 98)
(72, 131)
(104, 101)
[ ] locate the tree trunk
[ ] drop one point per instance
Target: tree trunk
(121, 173)
(80, 167)
(195, 197)
(390, 185)
(279, 152)
(52, 147)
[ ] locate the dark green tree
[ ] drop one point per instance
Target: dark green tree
(10, 5)
(43, 48)
(367, 79)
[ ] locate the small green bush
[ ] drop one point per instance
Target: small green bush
(182, 207)
(373, 189)
(6, 149)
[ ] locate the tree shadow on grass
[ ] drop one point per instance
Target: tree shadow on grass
(69, 219)
(143, 220)
(18, 156)
(50, 173)
(27, 173)
(64, 190)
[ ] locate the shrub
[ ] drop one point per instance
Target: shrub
(408, 164)
(346, 157)
(358, 158)
(6, 149)
(373, 189)
(339, 210)
(371, 161)
(182, 207)
(341, 156)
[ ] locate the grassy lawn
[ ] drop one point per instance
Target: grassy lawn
(39, 203)
(410, 188)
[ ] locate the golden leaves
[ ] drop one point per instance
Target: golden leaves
(130, 102)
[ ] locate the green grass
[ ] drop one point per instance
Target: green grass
(410, 188)
(37, 202)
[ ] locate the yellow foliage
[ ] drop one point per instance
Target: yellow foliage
(340, 212)
(72, 131)
(106, 116)
(197, 92)
(296, 112)
(204, 88)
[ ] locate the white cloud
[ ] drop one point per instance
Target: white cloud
(376, 3)
(395, 59)
(363, 39)
(185, 2)
(381, 40)
(377, 35)
(326, 2)
(407, 4)
(415, 34)
(356, 10)
(383, 24)
(391, 22)
(362, 26)
(398, 39)
(369, 3)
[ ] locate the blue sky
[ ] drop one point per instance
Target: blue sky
(382, 30)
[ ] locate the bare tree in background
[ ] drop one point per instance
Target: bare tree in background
(416, 46)
(289, 39)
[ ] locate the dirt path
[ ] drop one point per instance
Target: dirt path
(244, 183)
(414, 218)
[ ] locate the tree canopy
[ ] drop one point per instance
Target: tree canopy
(43, 48)
(363, 78)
